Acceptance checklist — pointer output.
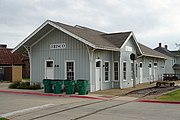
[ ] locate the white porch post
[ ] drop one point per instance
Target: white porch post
(120, 70)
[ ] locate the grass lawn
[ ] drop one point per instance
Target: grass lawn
(3, 118)
(172, 96)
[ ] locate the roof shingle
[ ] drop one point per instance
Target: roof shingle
(8, 58)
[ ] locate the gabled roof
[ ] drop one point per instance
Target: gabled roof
(93, 38)
(164, 51)
(146, 51)
(117, 39)
(8, 58)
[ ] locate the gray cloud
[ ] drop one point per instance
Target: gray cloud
(151, 21)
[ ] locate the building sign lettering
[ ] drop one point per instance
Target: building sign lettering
(58, 46)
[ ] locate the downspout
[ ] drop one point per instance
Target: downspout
(27, 48)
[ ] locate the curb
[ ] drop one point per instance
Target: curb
(156, 101)
(54, 95)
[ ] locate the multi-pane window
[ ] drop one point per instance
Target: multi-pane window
(132, 70)
(116, 71)
(106, 71)
(70, 70)
(155, 64)
(49, 63)
(124, 70)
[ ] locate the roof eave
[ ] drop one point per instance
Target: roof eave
(73, 35)
(32, 34)
(153, 56)
(107, 48)
(132, 34)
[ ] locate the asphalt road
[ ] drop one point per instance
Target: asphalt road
(31, 107)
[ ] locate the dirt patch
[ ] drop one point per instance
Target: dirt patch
(152, 91)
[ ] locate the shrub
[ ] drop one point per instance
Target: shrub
(25, 85)
(14, 85)
(3, 118)
(35, 86)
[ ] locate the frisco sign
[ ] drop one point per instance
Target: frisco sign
(58, 46)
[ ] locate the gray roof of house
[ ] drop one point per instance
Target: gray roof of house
(88, 34)
(117, 39)
(150, 52)
(164, 51)
(100, 40)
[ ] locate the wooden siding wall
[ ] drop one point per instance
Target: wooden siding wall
(145, 66)
(125, 57)
(105, 56)
(75, 50)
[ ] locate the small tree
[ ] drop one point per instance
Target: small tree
(178, 46)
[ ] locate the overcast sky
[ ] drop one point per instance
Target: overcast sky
(152, 21)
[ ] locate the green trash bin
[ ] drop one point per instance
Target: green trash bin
(57, 86)
(47, 86)
(69, 86)
(82, 87)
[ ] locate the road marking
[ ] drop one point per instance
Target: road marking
(25, 110)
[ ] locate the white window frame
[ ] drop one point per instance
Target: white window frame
(114, 71)
(66, 68)
(46, 67)
(108, 71)
(125, 71)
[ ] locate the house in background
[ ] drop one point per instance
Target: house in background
(11, 64)
(172, 64)
(170, 59)
(176, 65)
(60, 51)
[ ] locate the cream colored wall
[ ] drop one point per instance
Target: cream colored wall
(16, 73)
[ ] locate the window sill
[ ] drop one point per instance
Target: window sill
(106, 81)
(115, 80)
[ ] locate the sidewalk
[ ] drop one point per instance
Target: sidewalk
(4, 89)
(102, 96)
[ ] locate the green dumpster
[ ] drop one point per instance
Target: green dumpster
(57, 86)
(47, 86)
(82, 87)
(69, 86)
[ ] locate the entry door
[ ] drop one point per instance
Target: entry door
(150, 71)
(98, 74)
(141, 72)
(49, 69)
(155, 71)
